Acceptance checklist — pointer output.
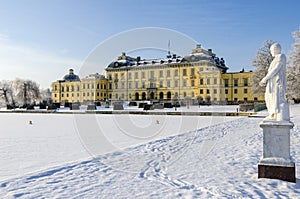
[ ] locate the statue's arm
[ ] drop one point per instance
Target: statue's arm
(271, 73)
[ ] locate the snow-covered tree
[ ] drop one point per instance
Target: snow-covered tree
(293, 77)
(46, 95)
(6, 92)
(27, 91)
(261, 63)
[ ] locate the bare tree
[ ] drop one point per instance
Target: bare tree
(261, 63)
(293, 77)
(27, 91)
(6, 92)
(46, 95)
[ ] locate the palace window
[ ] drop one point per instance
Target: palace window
(215, 91)
(62, 89)
(136, 84)
(152, 85)
(226, 82)
(192, 83)
(236, 82)
(201, 81)
(215, 81)
(208, 81)
(161, 84)
(207, 91)
(235, 91)
(184, 72)
(168, 73)
(245, 90)
(176, 83)
(184, 83)
(168, 84)
(245, 81)
(226, 91)
(136, 75)
(161, 73)
(176, 73)
(143, 74)
(152, 74)
(201, 91)
(192, 71)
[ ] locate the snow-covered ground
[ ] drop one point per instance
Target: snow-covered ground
(66, 156)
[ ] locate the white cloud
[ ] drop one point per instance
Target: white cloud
(30, 63)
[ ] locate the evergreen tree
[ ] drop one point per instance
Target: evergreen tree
(293, 77)
(261, 63)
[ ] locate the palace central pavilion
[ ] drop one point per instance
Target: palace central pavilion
(199, 77)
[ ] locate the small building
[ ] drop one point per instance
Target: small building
(71, 88)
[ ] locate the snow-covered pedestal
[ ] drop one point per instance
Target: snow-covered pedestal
(276, 162)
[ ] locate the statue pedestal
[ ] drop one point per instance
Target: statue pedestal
(276, 162)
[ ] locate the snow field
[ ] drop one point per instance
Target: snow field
(214, 161)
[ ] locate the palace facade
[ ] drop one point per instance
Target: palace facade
(198, 77)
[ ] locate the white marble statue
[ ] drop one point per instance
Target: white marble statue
(277, 105)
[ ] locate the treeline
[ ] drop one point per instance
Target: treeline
(21, 93)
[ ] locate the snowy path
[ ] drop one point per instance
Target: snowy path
(219, 161)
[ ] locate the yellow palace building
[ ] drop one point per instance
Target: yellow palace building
(198, 77)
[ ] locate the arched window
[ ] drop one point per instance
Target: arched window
(169, 95)
(161, 95)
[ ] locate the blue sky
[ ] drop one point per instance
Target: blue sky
(41, 39)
